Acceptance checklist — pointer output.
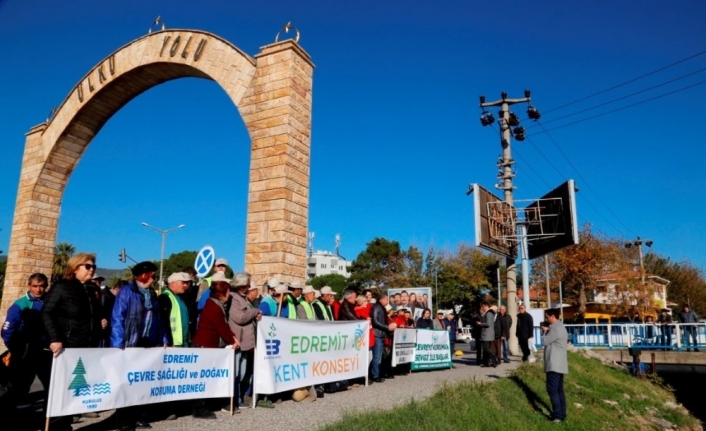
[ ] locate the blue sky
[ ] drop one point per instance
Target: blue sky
(395, 133)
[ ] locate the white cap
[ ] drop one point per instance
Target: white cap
(219, 276)
(281, 289)
(317, 294)
(272, 283)
(221, 261)
(326, 290)
(179, 276)
(308, 289)
(253, 286)
(296, 284)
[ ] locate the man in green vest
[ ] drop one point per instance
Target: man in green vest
(292, 302)
(305, 309)
(173, 312)
(323, 310)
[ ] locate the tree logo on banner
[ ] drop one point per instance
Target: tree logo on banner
(404, 335)
(435, 338)
(272, 344)
(81, 387)
(358, 339)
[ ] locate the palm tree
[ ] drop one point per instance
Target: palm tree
(62, 253)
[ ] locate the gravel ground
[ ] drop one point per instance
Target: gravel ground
(305, 415)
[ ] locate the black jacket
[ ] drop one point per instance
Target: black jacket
(72, 315)
(347, 311)
(424, 324)
(107, 303)
(505, 325)
(525, 326)
(378, 318)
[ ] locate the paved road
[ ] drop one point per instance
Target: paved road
(306, 416)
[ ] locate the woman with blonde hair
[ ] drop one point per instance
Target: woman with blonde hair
(72, 314)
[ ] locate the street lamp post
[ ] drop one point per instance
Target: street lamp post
(161, 256)
(436, 286)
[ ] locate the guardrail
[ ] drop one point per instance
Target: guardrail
(676, 336)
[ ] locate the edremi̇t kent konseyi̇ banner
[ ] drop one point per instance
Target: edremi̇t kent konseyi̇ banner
(292, 354)
(433, 350)
(85, 380)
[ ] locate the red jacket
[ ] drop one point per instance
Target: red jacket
(335, 307)
(212, 327)
(363, 312)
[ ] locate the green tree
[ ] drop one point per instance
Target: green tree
(462, 276)
(63, 251)
(380, 262)
(176, 262)
(337, 282)
(687, 283)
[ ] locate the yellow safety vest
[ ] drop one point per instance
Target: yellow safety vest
(292, 309)
(325, 309)
(175, 323)
(309, 310)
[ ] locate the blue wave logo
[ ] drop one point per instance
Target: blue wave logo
(83, 391)
(101, 388)
(358, 339)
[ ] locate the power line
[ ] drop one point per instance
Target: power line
(626, 107)
(627, 82)
(585, 182)
(622, 97)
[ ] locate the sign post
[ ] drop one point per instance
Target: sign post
(204, 261)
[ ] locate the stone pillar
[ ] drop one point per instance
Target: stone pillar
(35, 222)
(277, 113)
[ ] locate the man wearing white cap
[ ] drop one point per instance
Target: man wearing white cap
(173, 312)
(242, 318)
(305, 309)
(293, 300)
(268, 289)
(279, 306)
(328, 297)
(321, 305)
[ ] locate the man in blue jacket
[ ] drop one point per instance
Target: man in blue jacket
(22, 333)
(136, 323)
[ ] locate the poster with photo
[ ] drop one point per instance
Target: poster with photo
(414, 299)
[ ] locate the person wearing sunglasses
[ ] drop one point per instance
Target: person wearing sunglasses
(72, 315)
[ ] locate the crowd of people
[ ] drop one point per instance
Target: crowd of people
(216, 312)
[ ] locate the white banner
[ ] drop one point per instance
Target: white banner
(403, 344)
(293, 354)
(433, 350)
(85, 380)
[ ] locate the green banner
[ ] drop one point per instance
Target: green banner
(432, 351)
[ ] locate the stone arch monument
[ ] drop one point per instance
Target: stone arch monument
(272, 92)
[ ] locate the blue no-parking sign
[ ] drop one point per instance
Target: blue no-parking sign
(204, 261)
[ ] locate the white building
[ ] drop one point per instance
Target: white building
(609, 290)
(325, 262)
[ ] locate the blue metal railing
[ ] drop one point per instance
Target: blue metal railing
(677, 336)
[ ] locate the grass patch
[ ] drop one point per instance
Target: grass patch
(521, 402)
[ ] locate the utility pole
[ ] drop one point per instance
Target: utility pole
(638, 243)
(546, 279)
(507, 121)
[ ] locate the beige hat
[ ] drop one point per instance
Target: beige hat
(296, 284)
(253, 286)
(326, 290)
(178, 276)
(221, 261)
(281, 289)
(308, 289)
(272, 283)
(317, 294)
(219, 276)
